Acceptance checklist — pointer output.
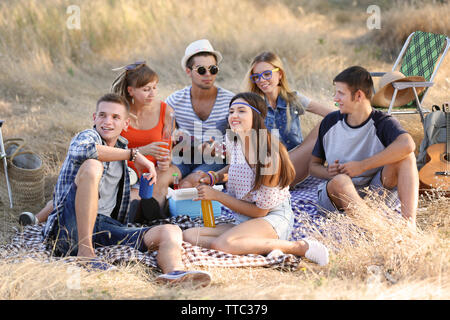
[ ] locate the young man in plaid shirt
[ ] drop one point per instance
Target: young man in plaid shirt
(92, 193)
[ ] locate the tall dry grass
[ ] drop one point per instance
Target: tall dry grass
(384, 260)
(51, 77)
(403, 19)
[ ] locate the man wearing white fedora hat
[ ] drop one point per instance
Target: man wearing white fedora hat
(363, 148)
(201, 107)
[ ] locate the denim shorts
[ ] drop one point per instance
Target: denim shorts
(374, 185)
(107, 231)
(281, 218)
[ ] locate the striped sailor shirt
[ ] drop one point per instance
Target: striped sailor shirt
(188, 120)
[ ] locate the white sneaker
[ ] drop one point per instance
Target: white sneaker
(317, 252)
(194, 277)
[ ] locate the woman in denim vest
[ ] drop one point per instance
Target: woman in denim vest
(267, 78)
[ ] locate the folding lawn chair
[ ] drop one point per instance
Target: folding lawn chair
(418, 58)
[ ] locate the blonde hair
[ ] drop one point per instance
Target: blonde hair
(291, 98)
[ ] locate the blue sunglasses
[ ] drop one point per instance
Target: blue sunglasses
(266, 75)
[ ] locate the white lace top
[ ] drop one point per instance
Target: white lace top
(241, 178)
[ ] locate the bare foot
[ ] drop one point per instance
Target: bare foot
(86, 252)
(300, 248)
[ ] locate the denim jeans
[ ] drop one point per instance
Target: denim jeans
(107, 231)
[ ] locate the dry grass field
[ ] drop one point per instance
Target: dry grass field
(51, 76)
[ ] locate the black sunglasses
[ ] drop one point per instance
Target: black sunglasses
(213, 69)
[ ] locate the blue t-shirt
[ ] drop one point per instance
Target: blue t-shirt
(338, 140)
(276, 119)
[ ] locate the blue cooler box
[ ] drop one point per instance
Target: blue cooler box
(181, 202)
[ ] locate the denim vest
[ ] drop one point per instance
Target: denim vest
(276, 119)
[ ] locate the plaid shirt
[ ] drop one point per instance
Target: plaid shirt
(83, 147)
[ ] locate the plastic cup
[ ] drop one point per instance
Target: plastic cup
(168, 141)
(145, 190)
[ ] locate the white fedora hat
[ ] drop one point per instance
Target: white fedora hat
(383, 96)
(195, 47)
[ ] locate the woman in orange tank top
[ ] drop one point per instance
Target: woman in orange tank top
(143, 137)
(149, 119)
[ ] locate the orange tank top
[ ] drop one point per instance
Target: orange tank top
(138, 138)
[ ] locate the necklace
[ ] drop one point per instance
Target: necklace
(135, 118)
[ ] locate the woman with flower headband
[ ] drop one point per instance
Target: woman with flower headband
(258, 182)
(266, 77)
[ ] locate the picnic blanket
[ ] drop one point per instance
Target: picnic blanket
(28, 243)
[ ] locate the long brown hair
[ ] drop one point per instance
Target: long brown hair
(286, 93)
(136, 78)
(284, 167)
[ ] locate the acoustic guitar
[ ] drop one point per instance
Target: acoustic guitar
(435, 174)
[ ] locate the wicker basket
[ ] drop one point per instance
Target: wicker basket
(26, 176)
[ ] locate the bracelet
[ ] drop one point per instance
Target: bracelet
(133, 154)
(212, 177)
(216, 176)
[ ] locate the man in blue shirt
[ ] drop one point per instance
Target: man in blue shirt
(363, 147)
(92, 195)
